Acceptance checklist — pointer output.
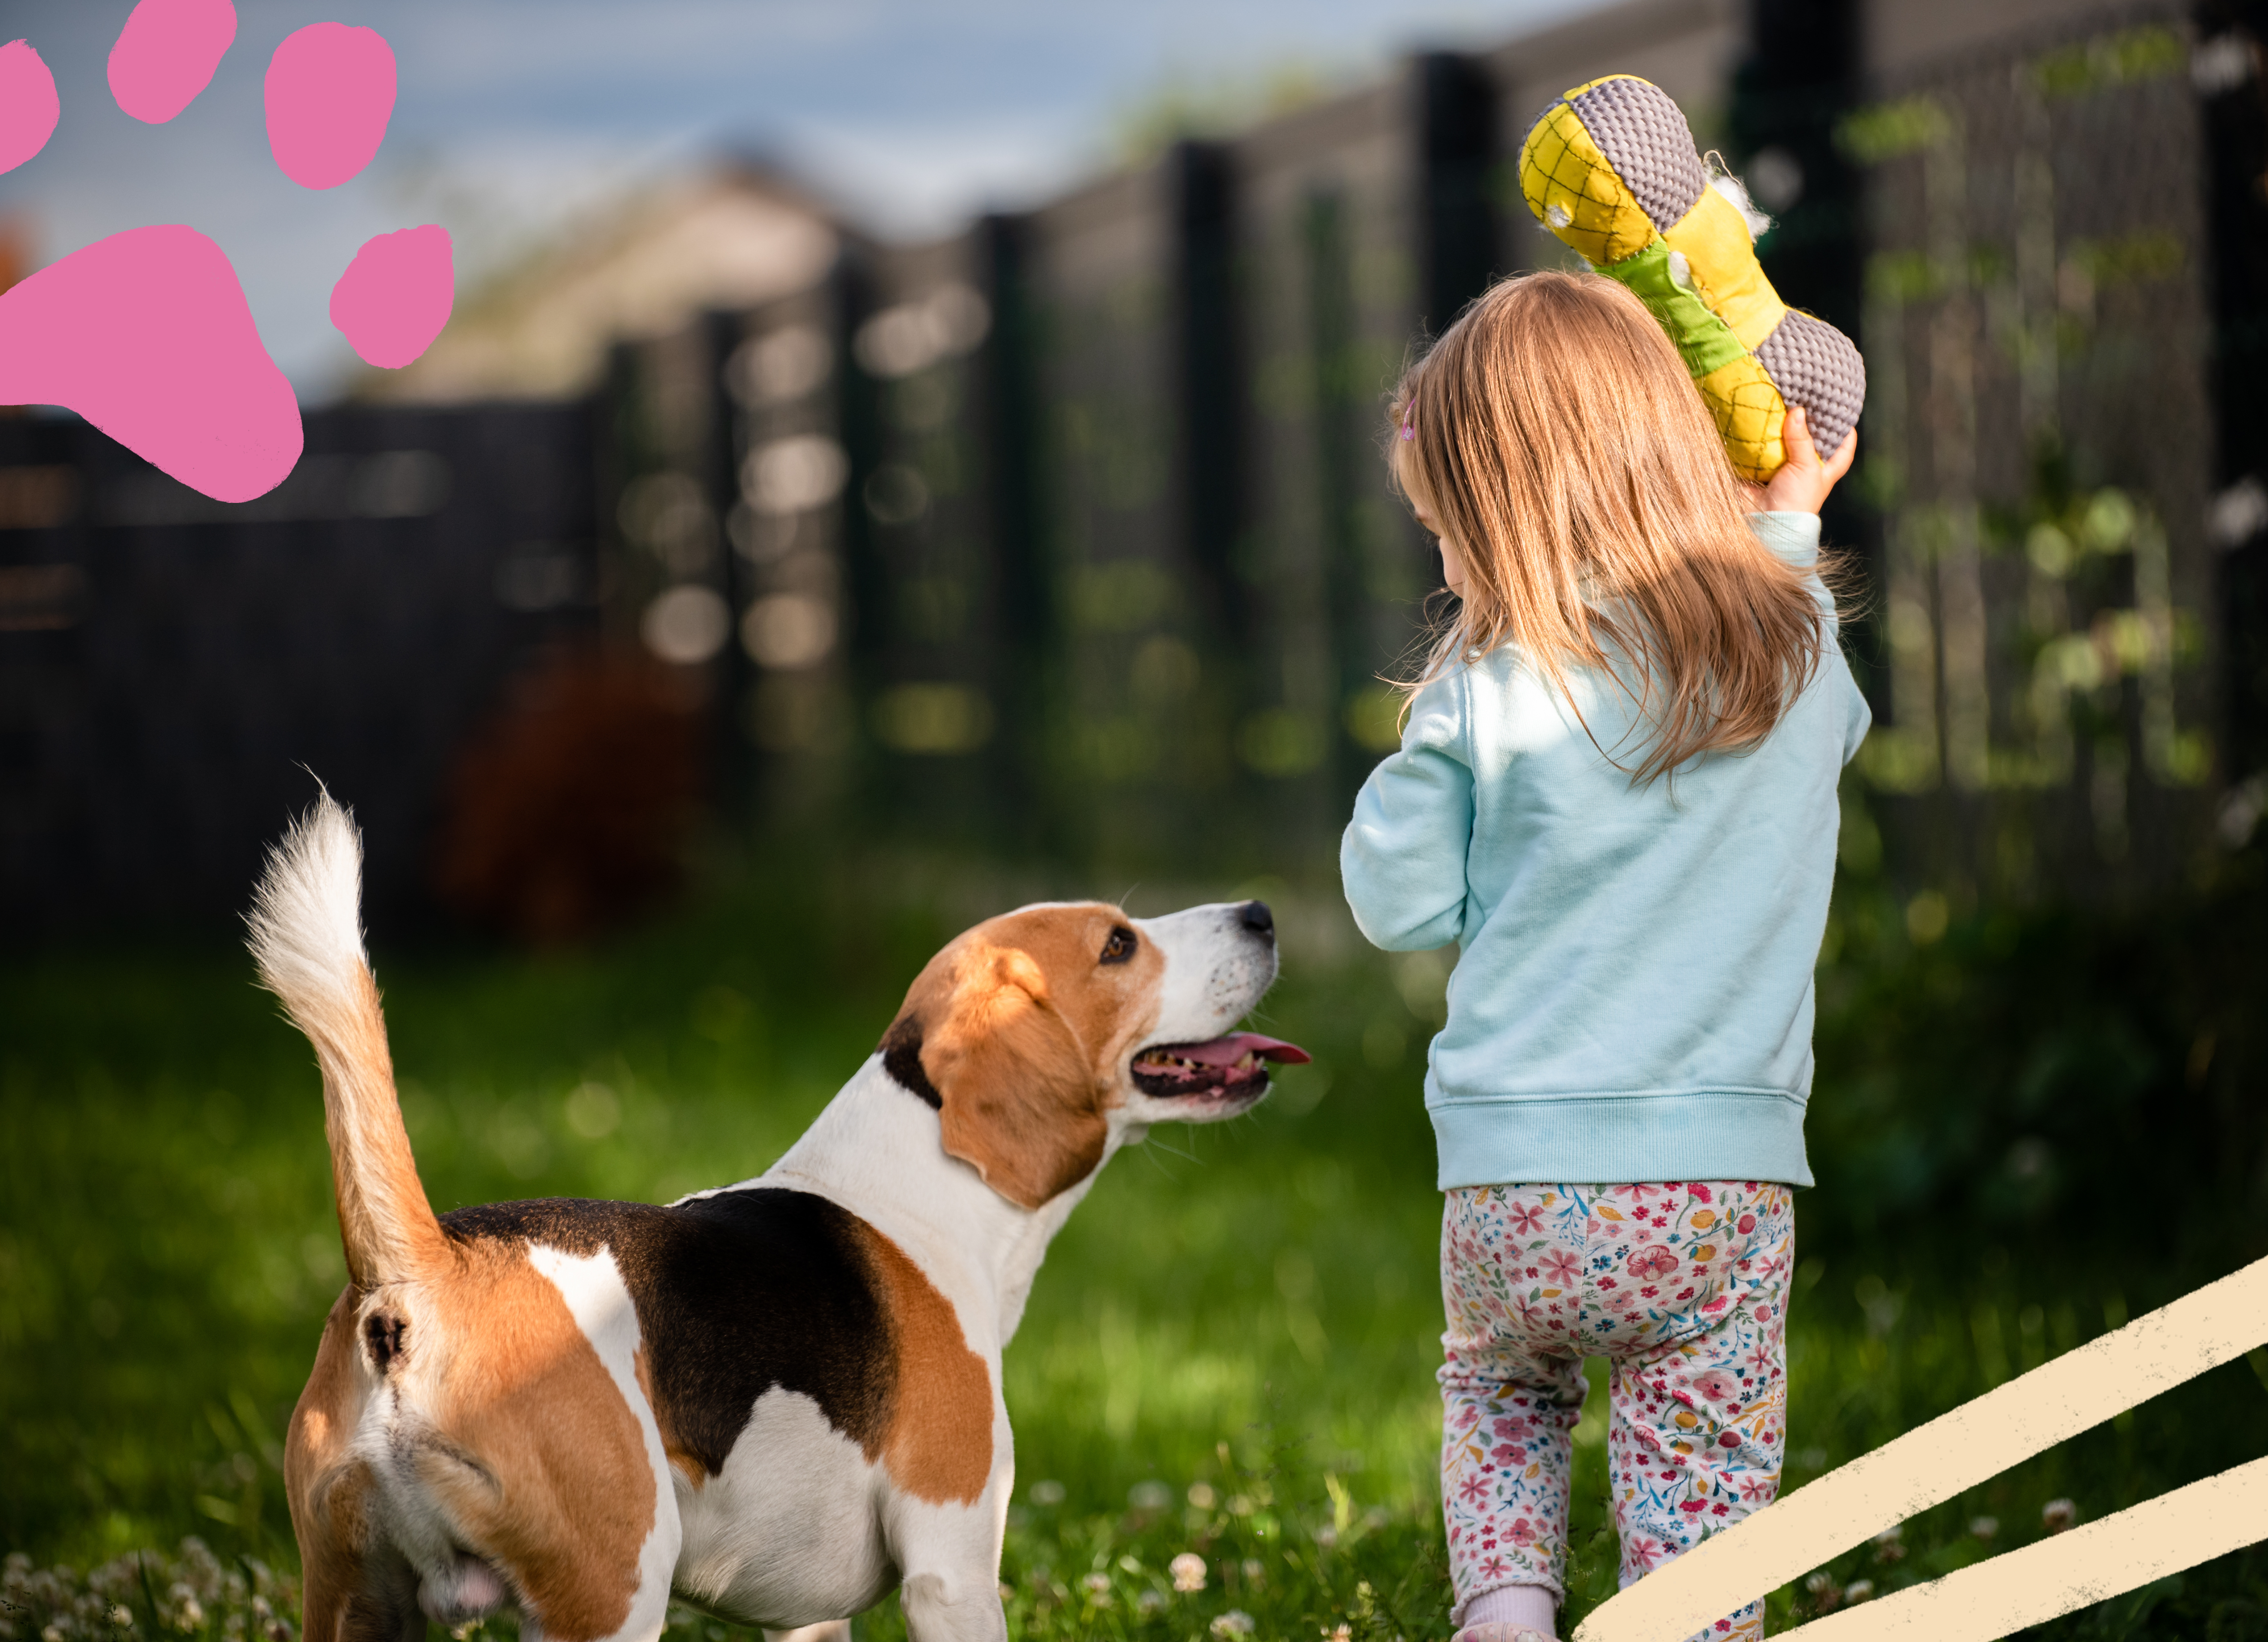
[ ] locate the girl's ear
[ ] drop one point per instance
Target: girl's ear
(1016, 1098)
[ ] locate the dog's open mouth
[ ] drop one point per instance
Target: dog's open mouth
(1236, 1064)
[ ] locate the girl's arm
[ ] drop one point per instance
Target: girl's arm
(1402, 860)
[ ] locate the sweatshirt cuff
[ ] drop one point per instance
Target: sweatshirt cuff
(1793, 537)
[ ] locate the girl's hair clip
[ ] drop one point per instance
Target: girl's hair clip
(1408, 423)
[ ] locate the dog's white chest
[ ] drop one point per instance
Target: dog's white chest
(789, 1532)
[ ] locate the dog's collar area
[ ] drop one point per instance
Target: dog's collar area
(901, 1047)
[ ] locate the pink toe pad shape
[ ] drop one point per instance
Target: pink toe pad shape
(395, 295)
(28, 105)
(148, 336)
(329, 93)
(167, 54)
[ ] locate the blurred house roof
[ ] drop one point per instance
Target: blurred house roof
(727, 238)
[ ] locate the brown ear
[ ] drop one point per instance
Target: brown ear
(1017, 1099)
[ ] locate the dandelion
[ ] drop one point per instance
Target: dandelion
(1984, 1527)
(1858, 1590)
(1188, 1572)
(2057, 1514)
(1825, 1593)
(1235, 1623)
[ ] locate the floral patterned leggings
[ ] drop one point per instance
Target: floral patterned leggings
(1683, 1287)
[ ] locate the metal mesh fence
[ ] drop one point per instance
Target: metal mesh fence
(2039, 443)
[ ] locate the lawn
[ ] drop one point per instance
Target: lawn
(1229, 1350)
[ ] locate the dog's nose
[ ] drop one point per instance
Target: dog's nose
(1255, 916)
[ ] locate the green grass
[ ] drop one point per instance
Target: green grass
(1230, 1349)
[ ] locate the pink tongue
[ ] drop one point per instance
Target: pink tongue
(1226, 1052)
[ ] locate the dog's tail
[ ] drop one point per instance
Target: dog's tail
(307, 937)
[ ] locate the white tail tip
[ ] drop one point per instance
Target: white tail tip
(306, 915)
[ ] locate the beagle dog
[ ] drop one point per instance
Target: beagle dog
(774, 1400)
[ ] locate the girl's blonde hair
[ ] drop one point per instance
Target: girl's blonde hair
(1556, 439)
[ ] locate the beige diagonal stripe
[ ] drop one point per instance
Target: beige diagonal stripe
(1956, 1451)
(2073, 1571)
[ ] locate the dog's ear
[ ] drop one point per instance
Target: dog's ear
(1016, 1097)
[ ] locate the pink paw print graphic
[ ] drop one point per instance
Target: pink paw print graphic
(147, 334)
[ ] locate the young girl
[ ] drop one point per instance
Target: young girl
(1616, 794)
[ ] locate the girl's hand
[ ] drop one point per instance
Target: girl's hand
(1803, 480)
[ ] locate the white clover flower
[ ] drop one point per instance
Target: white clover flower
(121, 1616)
(1235, 1623)
(1188, 1572)
(1340, 1632)
(1150, 1602)
(1984, 1527)
(1826, 1595)
(2057, 1514)
(1858, 1590)
(1255, 1571)
(1097, 1587)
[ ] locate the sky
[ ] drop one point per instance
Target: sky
(514, 116)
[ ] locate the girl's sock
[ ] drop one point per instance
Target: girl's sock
(1522, 1607)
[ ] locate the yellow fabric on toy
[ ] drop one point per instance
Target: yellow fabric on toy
(1749, 415)
(1561, 170)
(1713, 238)
(1612, 169)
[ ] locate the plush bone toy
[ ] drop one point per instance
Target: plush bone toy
(1610, 168)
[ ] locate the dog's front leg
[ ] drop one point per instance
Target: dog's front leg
(825, 1630)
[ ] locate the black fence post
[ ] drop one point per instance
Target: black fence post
(1211, 380)
(867, 629)
(1340, 391)
(1020, 589)
(1800, 79)
(1457, 217)
(2235, 122)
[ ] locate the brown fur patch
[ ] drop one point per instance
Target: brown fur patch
(1024, 1034)
(939, 1444)
(568, 1496)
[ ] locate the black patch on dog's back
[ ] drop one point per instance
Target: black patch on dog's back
(736, 1294)
(901, 1047)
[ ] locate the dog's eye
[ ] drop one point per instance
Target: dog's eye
(1120, 947)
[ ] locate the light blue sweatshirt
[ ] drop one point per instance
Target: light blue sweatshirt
(1632, 999)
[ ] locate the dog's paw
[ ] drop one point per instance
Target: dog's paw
(147, 334)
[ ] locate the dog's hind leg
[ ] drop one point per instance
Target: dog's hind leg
(939, 1609)
(826, 1630)
(361, 1599)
